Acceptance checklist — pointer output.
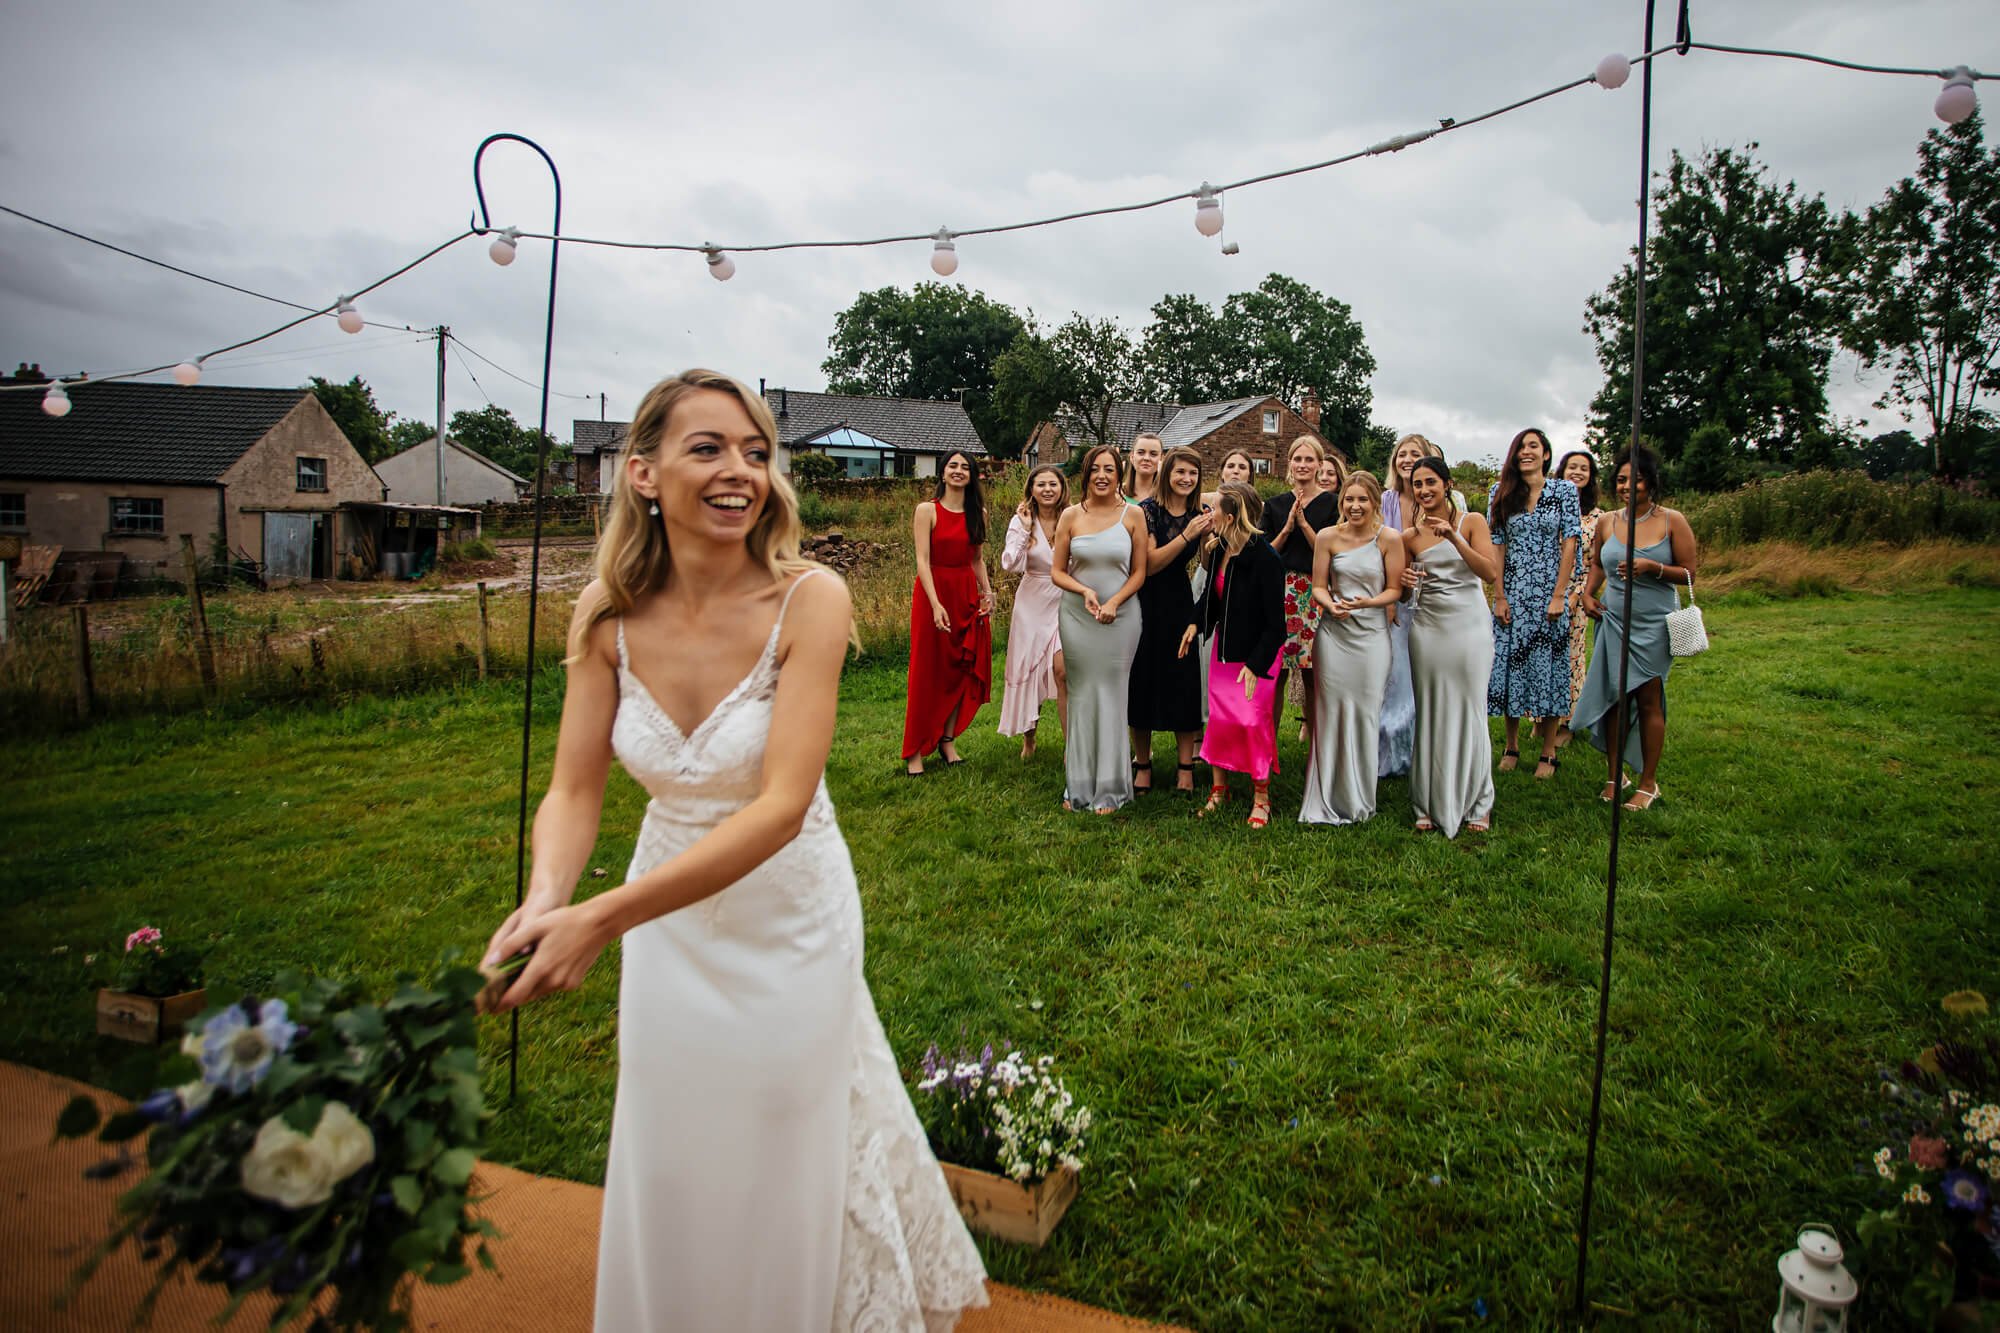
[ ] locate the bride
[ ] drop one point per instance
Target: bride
(767, 1170)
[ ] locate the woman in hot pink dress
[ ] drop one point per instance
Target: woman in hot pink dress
(1243, 605)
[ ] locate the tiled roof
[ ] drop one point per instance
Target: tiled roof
(429, 447)
(1193, 423)
(1128, 420)
(121, 431)
(594, 437)
(916, 424)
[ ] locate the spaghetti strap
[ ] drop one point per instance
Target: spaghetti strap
(786, 603)
(624, 658)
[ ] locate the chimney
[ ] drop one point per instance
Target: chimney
(760, 387)
(1309, 409)
(784, 403)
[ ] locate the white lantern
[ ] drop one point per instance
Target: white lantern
(187, 372)
(944, 254)
(1612, 71)
(347, 316)
(56, 401)
(1959, 97)
(1207, 211)
(720, 266)
(502, 250)
(1814, 1291)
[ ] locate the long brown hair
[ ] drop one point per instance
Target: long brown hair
(975, 498)
(1425, 449)
(632, 556)
(1128, 472)
(1172, 459)
(1512, 496)
(1090, 456)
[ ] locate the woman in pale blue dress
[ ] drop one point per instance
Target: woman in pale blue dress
(1663, 560)
(1357, 577)
(1100, 564)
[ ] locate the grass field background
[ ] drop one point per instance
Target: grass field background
(1341, 1076)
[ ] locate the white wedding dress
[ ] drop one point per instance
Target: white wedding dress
(767, 1171)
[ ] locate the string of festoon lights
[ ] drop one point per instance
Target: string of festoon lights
(1955, 102)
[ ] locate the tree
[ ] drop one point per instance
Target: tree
(1286, 338)
(1077, 373)
(938, 341)
(1283, 338)
(493, 432)
(1183, 352)
(408, 433)
(1372, 450)
(352, 407)
(1743, 306)
(1929, 290)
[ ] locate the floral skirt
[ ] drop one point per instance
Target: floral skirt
(1301, 623)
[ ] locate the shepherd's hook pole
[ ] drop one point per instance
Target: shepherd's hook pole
(482, 225)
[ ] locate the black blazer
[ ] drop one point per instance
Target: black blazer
(1250, 611)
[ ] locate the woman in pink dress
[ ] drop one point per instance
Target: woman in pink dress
(1243, 605)
(1035, 672)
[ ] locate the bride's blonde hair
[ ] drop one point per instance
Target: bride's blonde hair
(632, 555)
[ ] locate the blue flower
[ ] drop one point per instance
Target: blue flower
(162, 1105)
(1964, 1191)
(235, 1054)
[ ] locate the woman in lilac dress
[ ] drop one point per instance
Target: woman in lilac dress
(1243, 605)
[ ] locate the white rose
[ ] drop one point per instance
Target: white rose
(194, 1096)
(286, 1167)
(191, 1044)
(345, 1140)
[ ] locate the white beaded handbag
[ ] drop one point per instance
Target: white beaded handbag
(1686, 635)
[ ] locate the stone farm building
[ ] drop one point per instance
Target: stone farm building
(263, 475)
(1262, 427)
(869, 436)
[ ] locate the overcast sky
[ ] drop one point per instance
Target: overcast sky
(305, 149)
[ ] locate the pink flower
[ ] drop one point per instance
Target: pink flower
(143, 935)
(1927, 1153)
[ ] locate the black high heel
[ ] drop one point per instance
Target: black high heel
(1187, 791)
(949, 762)
(1137, 769)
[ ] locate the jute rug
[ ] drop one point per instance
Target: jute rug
(52, 1217)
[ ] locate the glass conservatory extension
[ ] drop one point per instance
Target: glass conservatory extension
(861, 455)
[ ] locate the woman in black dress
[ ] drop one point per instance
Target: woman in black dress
(1292, 520)
(1165, 692)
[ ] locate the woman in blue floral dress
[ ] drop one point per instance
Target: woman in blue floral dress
(1536, 518)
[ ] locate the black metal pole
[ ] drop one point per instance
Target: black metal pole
(1620, 723)
(484, 224)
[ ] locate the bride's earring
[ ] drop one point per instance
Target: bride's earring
(653, 509)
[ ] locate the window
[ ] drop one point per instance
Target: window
(312, 474)
(1261, 466)
(138, 515)
(13, 509)
(1270, 423)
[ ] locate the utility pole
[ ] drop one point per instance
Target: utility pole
(443, 334)
(600, 407)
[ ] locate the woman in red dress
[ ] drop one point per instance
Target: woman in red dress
(951, 617)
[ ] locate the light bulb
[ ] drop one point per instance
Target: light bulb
(187, 372)
(502, 249)
(349, 318)
(944, 255)
(1958, 99)
(720, 266)
(1612, 71)
(56, 401)
(1207, 211)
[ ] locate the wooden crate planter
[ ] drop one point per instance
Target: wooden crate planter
(146, 1018)
(1007, 1209)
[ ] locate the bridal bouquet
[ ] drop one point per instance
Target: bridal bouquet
(1935, 1235)
(1007, 1114)
(309, 1143)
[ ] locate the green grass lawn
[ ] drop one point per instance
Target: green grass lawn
(1341, 1075)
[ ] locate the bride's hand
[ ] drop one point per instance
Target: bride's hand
(566, 941)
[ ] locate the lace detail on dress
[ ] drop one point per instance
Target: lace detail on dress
(906, 1262)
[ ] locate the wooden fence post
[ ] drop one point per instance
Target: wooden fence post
(86, 694)
(482, 631)
(203, 647)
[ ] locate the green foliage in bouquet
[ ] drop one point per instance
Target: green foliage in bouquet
(151, 966)
(307, 1142)
(1934, 1236)
(1006, 1114)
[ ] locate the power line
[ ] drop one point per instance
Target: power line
(464, 346)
